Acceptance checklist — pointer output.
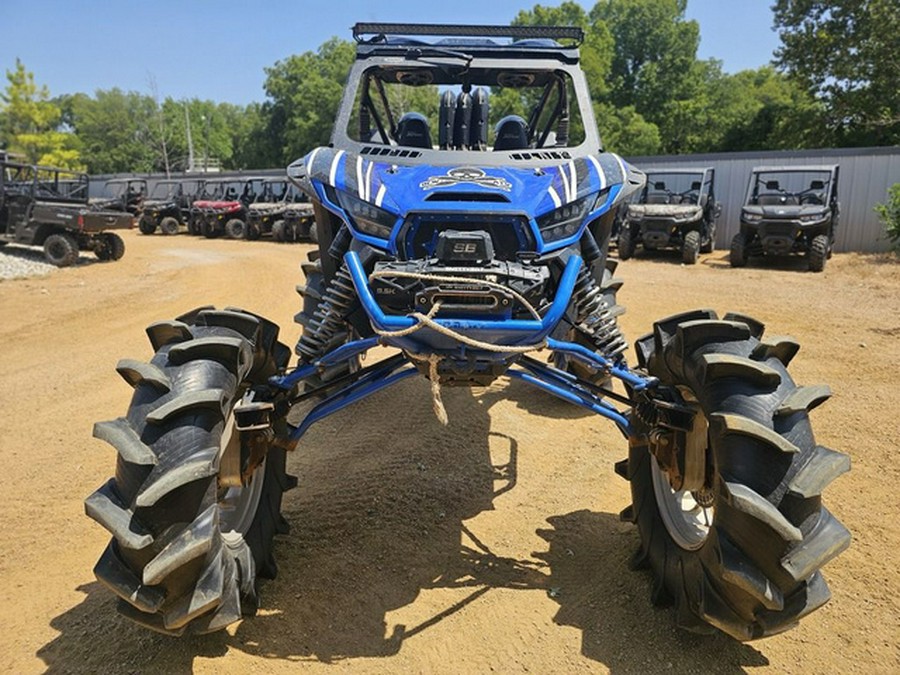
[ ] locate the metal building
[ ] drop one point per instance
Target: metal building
(866, 174)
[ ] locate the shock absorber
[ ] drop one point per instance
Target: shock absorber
(594, 318)
(328, 319)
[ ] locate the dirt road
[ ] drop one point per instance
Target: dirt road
(491, 545)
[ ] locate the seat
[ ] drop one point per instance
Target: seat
(511, 133)
(413, 132)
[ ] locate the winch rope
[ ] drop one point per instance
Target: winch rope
(423, 320)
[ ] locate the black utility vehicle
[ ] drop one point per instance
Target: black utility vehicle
(122, 194)
(281, 211)
(789, 210)
(221, 208)
(168, 207)
(47, 206)
(676, 209)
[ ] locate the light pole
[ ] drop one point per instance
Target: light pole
(206, 151)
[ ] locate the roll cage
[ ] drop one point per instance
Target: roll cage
(558, 116)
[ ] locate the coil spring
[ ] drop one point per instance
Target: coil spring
(593, 316)
(328, 319)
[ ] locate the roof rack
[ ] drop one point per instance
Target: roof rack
(379, 31)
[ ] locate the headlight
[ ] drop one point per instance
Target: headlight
(368, 218)
(565, 221)
(809, 218)
(751, 217)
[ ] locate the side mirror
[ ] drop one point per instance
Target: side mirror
(817, 185)
(695, 185)
(772, 185)
(659, 185)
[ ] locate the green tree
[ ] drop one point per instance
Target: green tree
(114, 128)
(845, 52)
(889, 214)
(30, 123)
(305, 92)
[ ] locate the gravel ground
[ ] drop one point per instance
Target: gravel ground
(18, 263)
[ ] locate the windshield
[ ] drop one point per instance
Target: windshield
(164, 191)
(673, 188)
(447, 101)
(789, 188)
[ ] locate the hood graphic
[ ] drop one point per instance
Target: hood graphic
(401, 189)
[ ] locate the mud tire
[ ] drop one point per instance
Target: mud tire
(627, 243)
(61, 249)
(691, 248)
(818, 253)
(754, 572)
(110, 247)
(168, 225)
(237, 229)
(177, 561)
(147, 225)
(278, 231)
(737, 256)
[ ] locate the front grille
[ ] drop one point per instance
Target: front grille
(509, 234)
(776, 229)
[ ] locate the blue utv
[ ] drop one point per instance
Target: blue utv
(464, 208)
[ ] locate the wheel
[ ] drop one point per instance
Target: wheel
(278, 230)
(110, 246)
(195, 226)
(691, 248)
(61, 249)
(210, 230)
(253, 232)
(187, 549)
(169, 225)
(737, 543)
(147, 224)
(818, 253)
(709, 245)
(627, 243)
(236, 229)
(738, 255)
(314, 233)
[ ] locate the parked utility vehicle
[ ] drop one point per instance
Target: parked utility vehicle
(47, 206)
(676, 208)
(789, 210)
(282, 211)
(122, 194)
(221, 207)
(468, 246)
(168, 207)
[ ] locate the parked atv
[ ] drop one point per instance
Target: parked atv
(789, 210)
(47, 206)
(168, 208)
(461, 260)
(282, 212)
(676, 209)
(122, 194)
(222, 207)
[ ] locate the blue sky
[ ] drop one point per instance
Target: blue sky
(217, 49)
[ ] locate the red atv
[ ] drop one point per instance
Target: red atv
(222, 207)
